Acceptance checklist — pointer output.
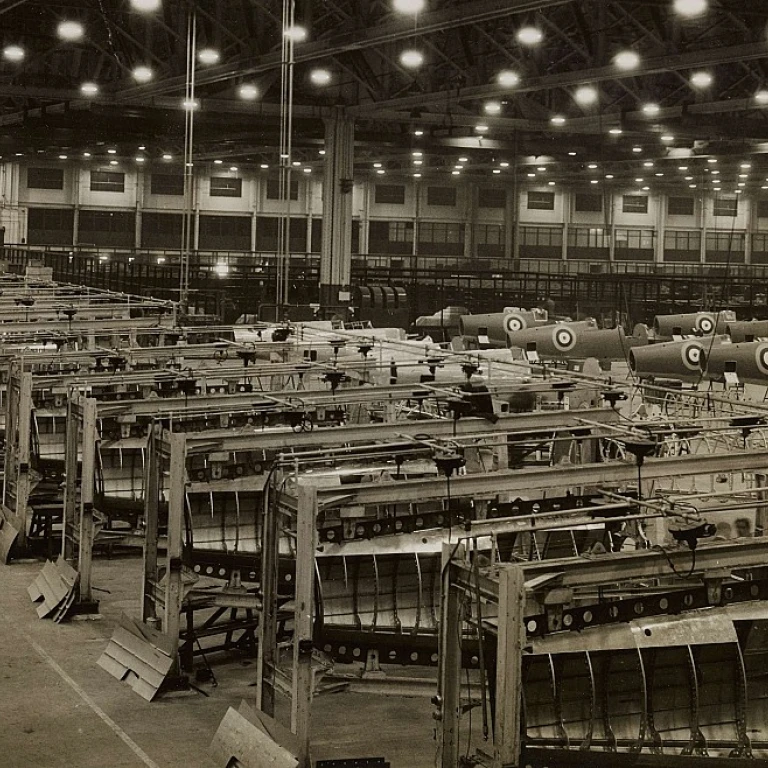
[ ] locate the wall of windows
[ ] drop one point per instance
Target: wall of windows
(102, 206)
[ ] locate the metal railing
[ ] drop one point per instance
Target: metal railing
(230, 282)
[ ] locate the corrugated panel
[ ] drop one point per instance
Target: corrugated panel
(254, 740)
(139, 656)
(56, 586)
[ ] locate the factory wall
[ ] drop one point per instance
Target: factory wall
(112, 204)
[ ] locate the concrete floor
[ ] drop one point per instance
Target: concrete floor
(58, 709)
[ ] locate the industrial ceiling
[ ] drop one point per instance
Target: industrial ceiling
(655, 93)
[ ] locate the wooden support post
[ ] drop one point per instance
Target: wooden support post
(449, 690)
(302, 688)
(87, 529)
(761, 512)
(69, 523)
(267, 650)
(151, 504)
(16, 477)
(509, 685)
(174, 594)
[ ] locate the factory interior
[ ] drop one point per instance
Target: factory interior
(383, 383)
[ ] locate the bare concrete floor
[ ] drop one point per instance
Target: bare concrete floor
(58, 709)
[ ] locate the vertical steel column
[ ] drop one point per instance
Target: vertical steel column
(87, 529)
(302, 687)
(512, 224)
(470, 217)
(509, 684)
(661, 227)
(336, 251)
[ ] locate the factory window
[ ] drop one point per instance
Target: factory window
(541, 201)
(225, 233)
(725, 206)
(107, 181)
(116, 229)
(45, 178)
(490, 234)
(641, 239)
(762, 209)
(226, 186)
(587, 237)
(438, 232)
(635, 204)
(166, 184)
(541, 236)
(586, 202)
(725, 241)
(682, 241)
(391, 194)
(441, 196)
(491, 197)
(400, 232)
(50, 226)
(161, 230)
(274, 192)
(680, 206)
(268, 231)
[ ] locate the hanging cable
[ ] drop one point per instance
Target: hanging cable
(286, 131)
(187, 227)
(723, 288)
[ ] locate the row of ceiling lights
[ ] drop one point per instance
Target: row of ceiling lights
(167, 157)
(73, 31)
(462, 161)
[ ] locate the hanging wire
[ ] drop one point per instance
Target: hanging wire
(286, 131)
(187, 230)
(724, 285)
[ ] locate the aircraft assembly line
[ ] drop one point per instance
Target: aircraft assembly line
(571, 516)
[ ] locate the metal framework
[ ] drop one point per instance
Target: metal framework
(540, 630)
(466, 43)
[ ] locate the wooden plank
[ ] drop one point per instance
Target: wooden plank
(509, 667)
(303, 680)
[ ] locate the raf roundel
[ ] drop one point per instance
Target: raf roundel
(705, 324)
(563, 338)
(692, 354)
(761, 358)
(515, 323)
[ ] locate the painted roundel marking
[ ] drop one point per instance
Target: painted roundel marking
(692, 354)
(563, 338)
(705, 324)
(761, 358)
(515, 323)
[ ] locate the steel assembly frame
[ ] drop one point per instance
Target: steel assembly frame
(669, 673)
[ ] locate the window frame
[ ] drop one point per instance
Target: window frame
(232, 186)
(107, 185)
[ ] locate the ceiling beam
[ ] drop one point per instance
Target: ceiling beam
(651, 66)
(358, 39)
